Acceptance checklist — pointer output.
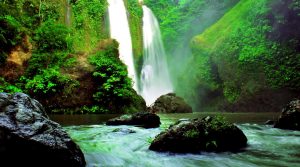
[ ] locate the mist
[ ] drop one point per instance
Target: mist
(196, 17)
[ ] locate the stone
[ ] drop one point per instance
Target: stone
(210, 134)
(170, 103)
(290, 116)
(143, 119)
(29, 138)
(124, 130)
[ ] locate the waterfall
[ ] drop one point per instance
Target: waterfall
(155, 79)
(119, 30)
(68, 13)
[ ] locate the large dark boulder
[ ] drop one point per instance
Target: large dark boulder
(211, 134)
(143, 119)
(290, 116)
(170, 103)
(29, 138)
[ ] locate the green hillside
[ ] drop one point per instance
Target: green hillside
(252, 49)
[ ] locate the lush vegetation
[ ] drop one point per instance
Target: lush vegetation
(114, 92)
(221, 51)
(180, 21)
(251, 49)
(135, 22)
(69, 70)
(10, 35)
(88, 23)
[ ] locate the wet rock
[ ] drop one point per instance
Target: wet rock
(211, 134)
(124, 130)
(290, 116)
(170, 103)
(143, 119)
(269, 122)
(29, 138)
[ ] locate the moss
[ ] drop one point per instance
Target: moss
(135, 22)
(244, 52)
(192, 133)
(88, 24)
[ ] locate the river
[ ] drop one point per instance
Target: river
(106, 146)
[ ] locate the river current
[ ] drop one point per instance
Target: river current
(127, 146)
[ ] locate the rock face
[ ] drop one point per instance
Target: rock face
(29, 138)
(170, 103)
(207, 134)
(143, 119)
(290, 116)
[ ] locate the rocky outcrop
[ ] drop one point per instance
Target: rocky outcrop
(143, 119)
(207, 134)
(29, 138)
(290, 116)
(170, 103)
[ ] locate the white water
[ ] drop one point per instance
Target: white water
(102, 146)
(155, 79)
(119, 30)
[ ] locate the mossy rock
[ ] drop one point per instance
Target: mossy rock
(170, 103)
(211, 134)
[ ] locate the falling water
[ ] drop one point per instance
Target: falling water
(119, 30)
(155, 79)
(68, 13)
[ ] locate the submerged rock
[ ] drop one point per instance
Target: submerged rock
(29, 138)
(207, 134)
(124, 130)
(143, 119)
(290, 116)
(170, 103)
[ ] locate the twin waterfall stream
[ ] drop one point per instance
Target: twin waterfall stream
(127, 146)
(155, 80)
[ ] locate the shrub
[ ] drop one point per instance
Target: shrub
(115, 92)
(115, 88)
(41, 61)
(48, 82)
(7, 87)
(51, 36)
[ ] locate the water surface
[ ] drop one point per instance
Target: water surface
(268, 146)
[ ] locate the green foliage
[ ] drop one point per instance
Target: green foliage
(181, 20)
(115, 88)
(51, 36)
(48, 82)
(88, 23)
(192, 133)
(49, 10)
(42, 61)
(7, 87)
(218, 123)
(253, 47)
(96, 109)
(10, 35)
(135, 22)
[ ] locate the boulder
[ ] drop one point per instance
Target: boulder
(211, 134)
(170, 103)
(29, 138)
(290, 116)
(143, 119)
(123, 131)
